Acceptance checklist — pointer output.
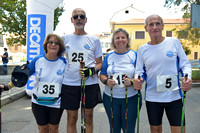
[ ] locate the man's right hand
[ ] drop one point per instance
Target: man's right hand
(138, 83)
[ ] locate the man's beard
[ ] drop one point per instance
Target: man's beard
(79, 27)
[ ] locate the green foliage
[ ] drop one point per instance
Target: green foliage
(186, 15)
(57, 13)
(196, 74)
(187, 50)
(23, 59)
(13, 20)
(193, 34)
(170, 3)
(192, 37)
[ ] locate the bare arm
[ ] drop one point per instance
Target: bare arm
(99, 63)
(6, 87)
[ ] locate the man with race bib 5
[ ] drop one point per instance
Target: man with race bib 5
(159, 62)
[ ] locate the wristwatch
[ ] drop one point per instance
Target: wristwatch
(105, 81)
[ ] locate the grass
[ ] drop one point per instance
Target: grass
(196, 74)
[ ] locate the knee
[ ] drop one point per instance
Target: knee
(156, 129)
(89, 118)
(43, 129)
(72, 119)
(53, 128)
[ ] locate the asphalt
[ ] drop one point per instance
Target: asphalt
(17, 93)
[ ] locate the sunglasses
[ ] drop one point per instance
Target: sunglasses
(51, 42)
(76, 16)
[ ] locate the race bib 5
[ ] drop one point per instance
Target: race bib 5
(167, 83)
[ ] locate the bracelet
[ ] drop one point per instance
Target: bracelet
(5, 88)
(132, 82)
(105, 81)
(11, 85)
(97, 70)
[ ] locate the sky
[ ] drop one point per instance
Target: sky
(99, 13)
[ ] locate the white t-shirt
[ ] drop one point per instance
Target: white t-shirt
(159, 64)
(48, 72)
(80, 47)
(118, 65)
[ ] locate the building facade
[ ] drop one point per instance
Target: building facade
(135, 28)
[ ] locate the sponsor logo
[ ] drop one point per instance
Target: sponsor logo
(59, 72)
(170, 54)
(86, 46)
(36, 32)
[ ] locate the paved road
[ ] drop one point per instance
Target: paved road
(17, 117)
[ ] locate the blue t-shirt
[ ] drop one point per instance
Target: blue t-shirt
(5, 59)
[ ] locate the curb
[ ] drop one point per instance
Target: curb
(195, 84)
(12, 97)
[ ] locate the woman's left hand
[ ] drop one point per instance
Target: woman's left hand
(127, 81)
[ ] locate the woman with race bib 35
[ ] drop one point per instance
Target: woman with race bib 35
(48, 69)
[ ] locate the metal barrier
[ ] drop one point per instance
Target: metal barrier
(10, 66)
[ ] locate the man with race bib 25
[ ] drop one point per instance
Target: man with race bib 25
(80, 46)
(159, 62)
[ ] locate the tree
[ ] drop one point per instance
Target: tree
(13, 20)
(193, 34)
(170, 3)
(186, 8)
(187, 50)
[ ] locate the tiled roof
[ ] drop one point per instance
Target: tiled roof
(166, 21)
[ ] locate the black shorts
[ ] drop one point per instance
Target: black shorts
(71, 95)
(173, 111)
(46, 115)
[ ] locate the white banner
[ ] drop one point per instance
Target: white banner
(40, 20)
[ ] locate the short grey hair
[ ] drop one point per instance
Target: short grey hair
(153, 15)
(117, 31)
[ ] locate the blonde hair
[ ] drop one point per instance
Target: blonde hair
(117, 31)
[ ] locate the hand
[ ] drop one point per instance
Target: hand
(186, 84)
(138, 83)
(80, 72)
(1, 88)
(127, 81)
(24, 65)
(87, 71)
(110, 82)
